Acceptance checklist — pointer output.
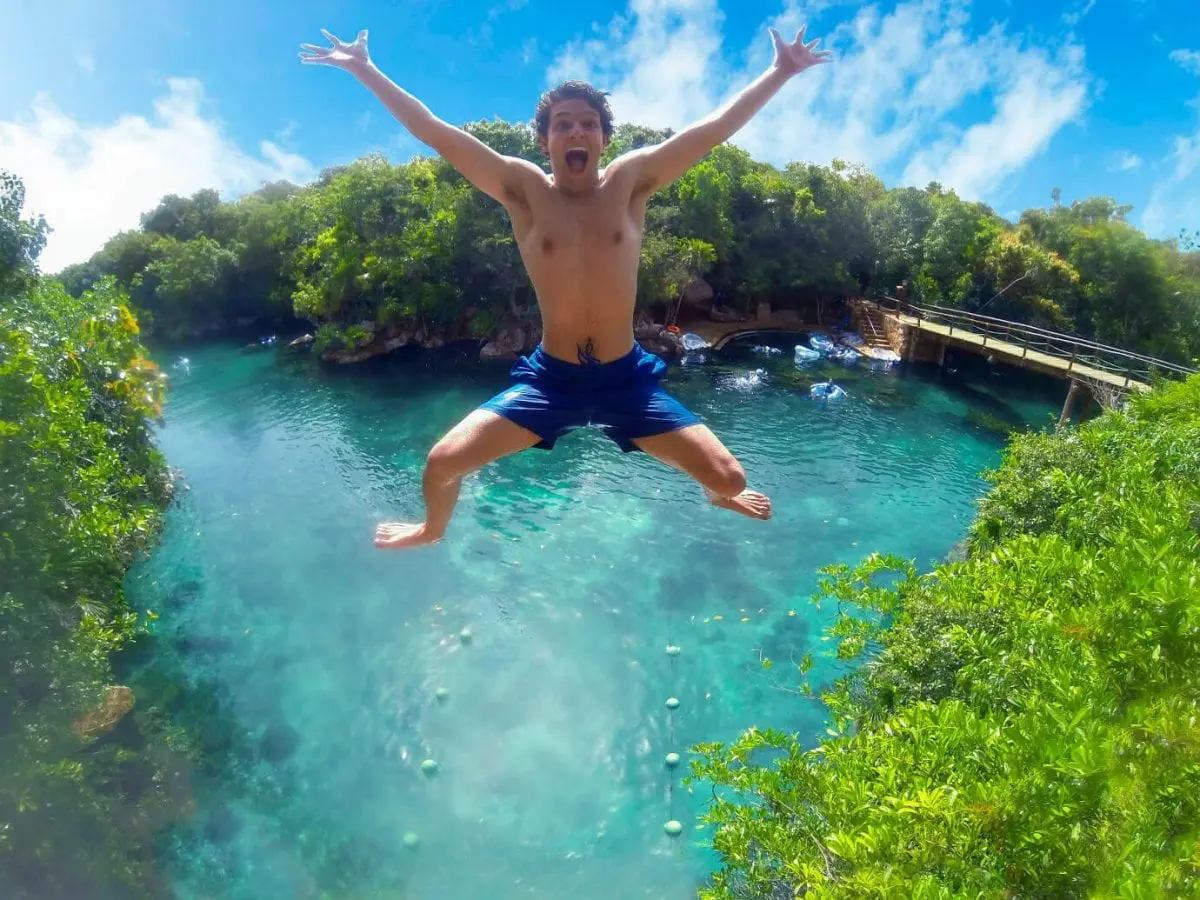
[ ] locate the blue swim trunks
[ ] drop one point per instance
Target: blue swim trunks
(623, 397)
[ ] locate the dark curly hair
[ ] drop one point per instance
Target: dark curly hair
(573, 90)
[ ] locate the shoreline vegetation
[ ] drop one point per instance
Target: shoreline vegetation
(1023, 721)
(373, 256)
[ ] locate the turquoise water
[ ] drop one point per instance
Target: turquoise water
(310, 662)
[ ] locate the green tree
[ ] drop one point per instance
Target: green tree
(21, 240)
(81, 493)
(1023, 723)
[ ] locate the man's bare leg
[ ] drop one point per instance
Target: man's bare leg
(696, 451)
(480, 438)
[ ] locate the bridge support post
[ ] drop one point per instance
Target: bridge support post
(910, 351)
(1072, 395)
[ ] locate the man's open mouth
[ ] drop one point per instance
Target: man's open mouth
(576, 160)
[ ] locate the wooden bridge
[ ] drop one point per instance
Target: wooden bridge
(922, 333)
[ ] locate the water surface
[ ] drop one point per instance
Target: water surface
(312, 661)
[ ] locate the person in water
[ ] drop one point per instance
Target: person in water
(579, 231)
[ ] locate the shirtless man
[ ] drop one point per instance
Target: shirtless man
(579, 231)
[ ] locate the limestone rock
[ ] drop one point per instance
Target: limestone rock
(699, 294)
(509, 343)
(726, 314)
(118, 701)
(302, 341)
(657, 340)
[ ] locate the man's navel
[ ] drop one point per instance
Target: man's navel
(618, 237)
(547, 246)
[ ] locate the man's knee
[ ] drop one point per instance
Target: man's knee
(444, 463)
(728, 478)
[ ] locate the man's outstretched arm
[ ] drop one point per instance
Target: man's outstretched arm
(661, 164)
(494, 174)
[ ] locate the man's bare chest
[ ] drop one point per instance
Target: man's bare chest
(557, 227)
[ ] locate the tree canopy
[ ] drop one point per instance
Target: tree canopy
(81, 493)
(415, 246)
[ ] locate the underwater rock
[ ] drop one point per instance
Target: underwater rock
(222, 826)
(118, 701)
(302, 341)
(278, 742)
(960, 552)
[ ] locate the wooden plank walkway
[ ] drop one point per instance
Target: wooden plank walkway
(1021, 356)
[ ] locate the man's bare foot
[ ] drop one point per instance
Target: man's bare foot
(748, 503)
(393, 535)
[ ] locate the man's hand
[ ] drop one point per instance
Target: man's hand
(350, 57)
(797, 56)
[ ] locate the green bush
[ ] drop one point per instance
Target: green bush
(1027, 722)
(81, 494)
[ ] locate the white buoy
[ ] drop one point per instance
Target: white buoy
(441, 695)
(673, 828)
(672, 760)
(672, 703)
(465, 635)
(429, 767)
(411, 841)
(672, 650)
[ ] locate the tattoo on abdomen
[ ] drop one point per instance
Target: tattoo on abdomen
(587, 353)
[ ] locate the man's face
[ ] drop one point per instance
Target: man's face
(575, 140)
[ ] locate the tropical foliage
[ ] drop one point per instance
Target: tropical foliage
(81, 491)
(414, 247)
(1027, 722)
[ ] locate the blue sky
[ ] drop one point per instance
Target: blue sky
(106, 105)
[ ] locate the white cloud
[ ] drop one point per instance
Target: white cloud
(529, 50)
(1032, 103)
(1175, 198)
(1189, 59)
(1076, 16)
(285, 134)
(902, 96)
(91, 181)
(1125, 162)
(661, 62)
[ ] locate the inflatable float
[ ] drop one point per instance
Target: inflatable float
(826, 390)
(821, 344)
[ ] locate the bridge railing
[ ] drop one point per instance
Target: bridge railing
(1076, 350)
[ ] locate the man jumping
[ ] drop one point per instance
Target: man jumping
(579, 230)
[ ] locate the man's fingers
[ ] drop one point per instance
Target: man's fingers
(316, 60)
(313, 48)
(329, 37)
(813, 45)
(362, 37)
(800, 34)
